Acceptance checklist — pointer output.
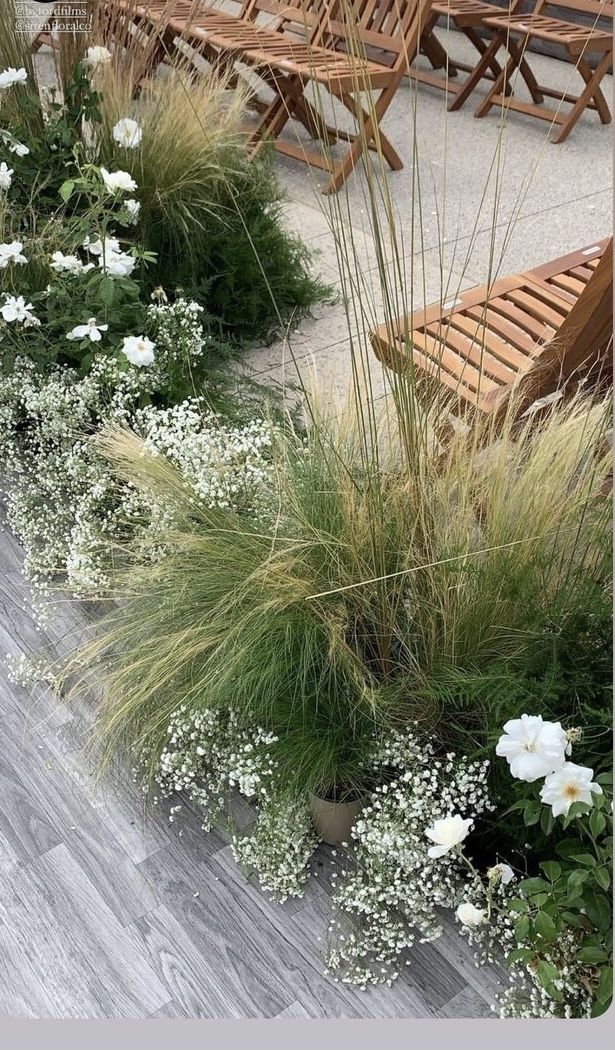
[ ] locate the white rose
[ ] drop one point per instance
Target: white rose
(569, 784)
(128, 133)
(139, 350)
(469, 915)
(5, 176)
(447, 833)
(532, 748)
(117, 264)
(118, 181)
(97, 56)
(12, 76)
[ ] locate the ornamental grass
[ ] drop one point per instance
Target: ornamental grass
(327, 619)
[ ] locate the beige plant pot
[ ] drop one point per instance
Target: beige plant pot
(333, 820)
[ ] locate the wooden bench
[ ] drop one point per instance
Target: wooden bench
(514, 31)
(530, 331)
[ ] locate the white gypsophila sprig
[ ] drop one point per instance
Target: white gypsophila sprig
(389, 893)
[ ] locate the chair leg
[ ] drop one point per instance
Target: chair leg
(362, 117)
(524, 68)
(368, 129)
(477, 74)
(437, 55)
(498, 84)
(592, 91)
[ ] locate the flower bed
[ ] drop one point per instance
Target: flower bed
(344, 609)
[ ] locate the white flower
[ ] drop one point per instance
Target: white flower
(138, 349)
(447, 833)
(68, 263)
(11, 253)
(16, 308)
(12, 143)
(96, 247)
(133, 208)
(118, 181)
(469, 915)
(90, 331)
(569, 784)
(501, 873)
(18, 148)
(97, 56)
(12, 76)
(128, 133)
(5, 176)
(117, 264)
(532, 747)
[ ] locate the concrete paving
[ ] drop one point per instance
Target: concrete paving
(476, 197)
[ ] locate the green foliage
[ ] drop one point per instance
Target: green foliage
(571, 894)
(331, 616)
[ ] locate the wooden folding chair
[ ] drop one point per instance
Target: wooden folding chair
(531, 331)
(513, 32)
(392, 28)
(466, 16)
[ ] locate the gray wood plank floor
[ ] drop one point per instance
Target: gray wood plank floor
(106, 911)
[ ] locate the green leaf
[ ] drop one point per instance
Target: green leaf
(604, 992)
(552, 869)
(531, 813)
(535, 885)
(520, 955)
(547, 820)
(591, 955)
(66, 190)
(597, 823)
(547, 972)
(598, 907)
(107, 291)
(544, 925)
(603, 877)
(567, 848)
(522, 927)
(518, 904)
(585, 859)
(575, 883)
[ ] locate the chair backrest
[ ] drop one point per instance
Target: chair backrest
(592, 10)
(581, 342)
(390, 27)
(587, 330)
(309, 18)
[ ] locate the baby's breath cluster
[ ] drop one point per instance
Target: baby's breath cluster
(279, 847)
(389, 892)
(64, 502)
(207, 757)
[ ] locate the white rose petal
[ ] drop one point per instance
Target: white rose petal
(139, 350)
(12, 76)
(97, 56)
(567, 785)
(118, 181)
(69, 264)
(531, 747)
(6, 178)
(447, 833)
(502, 873)
(117, 264)
(16, 308)
(90, 331)
(469, 915)
(111, 244)
(11, 252)
(128, 133)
